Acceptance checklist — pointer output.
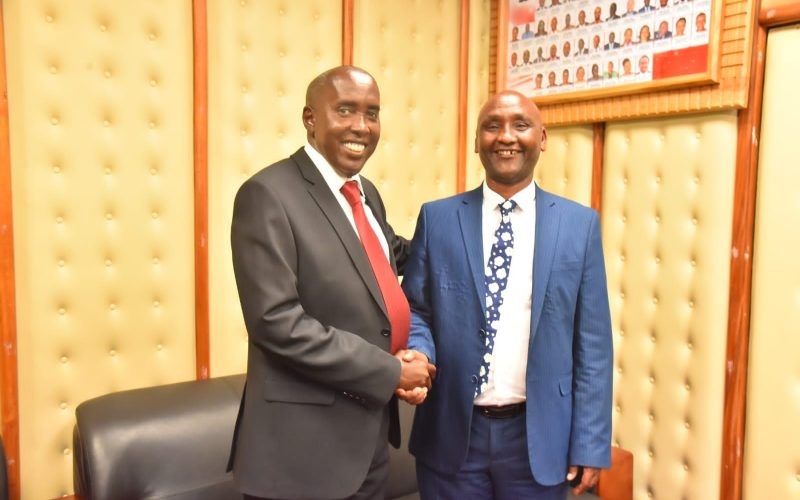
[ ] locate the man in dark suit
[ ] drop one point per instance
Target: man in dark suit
(315, 262)
(508, 298)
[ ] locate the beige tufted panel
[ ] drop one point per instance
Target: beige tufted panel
(772, 447)
(478, 90)
(415, 60)
(262, 55)
(667, 211)
(565, 168)
(101, 150)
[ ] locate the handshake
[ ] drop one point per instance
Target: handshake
(416, 375)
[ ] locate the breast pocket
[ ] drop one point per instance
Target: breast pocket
(563, 286)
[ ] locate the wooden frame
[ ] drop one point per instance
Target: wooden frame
(9, 389)
(670, 62)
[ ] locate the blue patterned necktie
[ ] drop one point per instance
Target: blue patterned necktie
(496, 276)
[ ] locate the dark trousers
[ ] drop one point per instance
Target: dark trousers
(496, 467)
(374, 485)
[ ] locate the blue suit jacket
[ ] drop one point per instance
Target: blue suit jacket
(569, 372)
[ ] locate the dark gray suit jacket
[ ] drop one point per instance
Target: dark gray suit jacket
(319, 375)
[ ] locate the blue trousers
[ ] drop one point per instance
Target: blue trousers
(496, 467)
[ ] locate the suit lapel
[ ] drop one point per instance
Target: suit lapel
(547, 223)
(470, 220)
(322, 196)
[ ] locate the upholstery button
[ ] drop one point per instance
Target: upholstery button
(386, 332)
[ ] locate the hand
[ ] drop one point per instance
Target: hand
(408, 355)
(416, 395)
(415, 371)
(588, 480)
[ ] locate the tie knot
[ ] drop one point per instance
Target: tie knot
(507, 206)
(351, 193)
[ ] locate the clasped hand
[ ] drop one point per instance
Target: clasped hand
(416, 375)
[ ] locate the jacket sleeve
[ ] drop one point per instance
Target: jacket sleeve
(590, 439)
(265, 265)
(416, 285)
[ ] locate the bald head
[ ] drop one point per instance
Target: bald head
(341, 117)
(509, 139)
(510, 97)
(329, 77)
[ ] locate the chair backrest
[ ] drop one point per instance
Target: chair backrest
(170, 441)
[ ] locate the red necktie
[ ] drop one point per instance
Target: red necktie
(393, 297)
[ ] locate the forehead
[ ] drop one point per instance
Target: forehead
(511, 107)
(351, 87)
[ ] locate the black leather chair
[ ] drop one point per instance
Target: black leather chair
(172, 441)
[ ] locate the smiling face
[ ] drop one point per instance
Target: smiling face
(341, 118)
(628, 35)
(597, 13)
(509, 139)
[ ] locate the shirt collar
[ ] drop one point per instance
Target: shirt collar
(526, 198)
(333, 179)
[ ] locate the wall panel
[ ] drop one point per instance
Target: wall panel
(667, 212)
(478, 91)
(101, 154)
(772, 450)
(262, 55)
(414, 58)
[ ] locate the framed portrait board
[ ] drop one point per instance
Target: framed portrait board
(565, 50)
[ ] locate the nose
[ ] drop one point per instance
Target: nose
(506, 135)
(358, 123)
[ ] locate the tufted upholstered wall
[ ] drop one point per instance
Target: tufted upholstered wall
(416, 157)
(667, 211)
(101, 151)
(478, 91)
(257, 84)
(772, 450)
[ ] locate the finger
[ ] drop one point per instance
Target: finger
(573, 471)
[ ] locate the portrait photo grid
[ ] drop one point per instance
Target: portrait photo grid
(558, 46)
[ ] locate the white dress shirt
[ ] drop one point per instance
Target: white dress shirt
(335, 181)
(510, 356)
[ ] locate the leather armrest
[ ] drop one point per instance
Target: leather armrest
(616, 482)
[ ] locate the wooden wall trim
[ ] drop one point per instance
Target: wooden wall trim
(779, 15)
(201, 290)
(744, 209)
(347, 31)
(463, 110)
(598, 151)
(8, 305)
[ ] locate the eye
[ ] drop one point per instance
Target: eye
(344, 110)
(491, 127)
(522, 125)
(372, 114)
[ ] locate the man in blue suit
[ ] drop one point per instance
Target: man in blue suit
(522, 339)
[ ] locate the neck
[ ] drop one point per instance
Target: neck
(507, 191)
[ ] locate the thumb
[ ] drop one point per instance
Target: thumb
(408, 356)
(573, 471)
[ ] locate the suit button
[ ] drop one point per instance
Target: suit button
(474, 379)
(386, 332)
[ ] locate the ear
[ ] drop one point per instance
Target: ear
(476, 143)
(543, 144)
(308, 119)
